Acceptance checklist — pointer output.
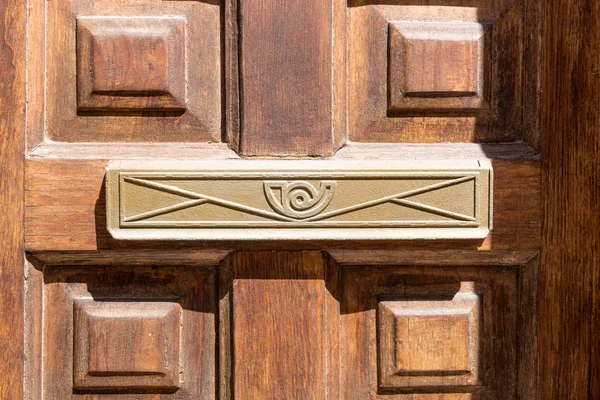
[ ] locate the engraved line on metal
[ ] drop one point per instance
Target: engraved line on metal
(300, 224)
(166, 210)
(210, 199)
(386, 199)
(433, 210)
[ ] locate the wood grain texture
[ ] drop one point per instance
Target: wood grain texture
(279, 326)
(533, 64)
(389, 272)
(370, 73)
(570, 275)
(429, 342)
(33, 330)
(224, 329)
(127, 257)
(437, 66)
(131, 63)
(111, 354)
(132, 151)
(340, 73)
(432, 258)
(231, 79)
(443, 151)
(506, 328)
(12, 135)
(126, 345)
(286, 86)
(53, 36)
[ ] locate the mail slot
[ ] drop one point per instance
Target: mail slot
(299, 200)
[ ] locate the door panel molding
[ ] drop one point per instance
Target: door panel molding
(117, 325)
(432, 291)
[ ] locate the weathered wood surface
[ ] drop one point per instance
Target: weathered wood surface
(570, 274)
(286, 73)
(131, 105)
(64, 201)
(375, 115)
(426, 294)
(12, 131)
(280, 334)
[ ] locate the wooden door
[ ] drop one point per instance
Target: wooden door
(94, 84)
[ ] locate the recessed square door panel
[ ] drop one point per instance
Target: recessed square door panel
(449, 72)
(130, 71)
(412, 331)
(114, 331)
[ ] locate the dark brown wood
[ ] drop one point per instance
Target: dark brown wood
(128, 257)
(224, 328)
(231, 75)
(432, 258)
(533, 61)
(489, 110)
(12, 136)
(283, 78)
(386, 297)
(280, 305)
(113, 330)
(286, 77)
(570, 274)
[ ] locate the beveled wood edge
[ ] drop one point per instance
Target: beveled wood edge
(341, 257)
(432, 257)
(132, 151)
(529, 353)
(33, 331)
(231, 75)
(130, 257)
(224, 378)
(223, 151)
(429, 151)
(34, 314)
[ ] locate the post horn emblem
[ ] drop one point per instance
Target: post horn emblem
(299, 199)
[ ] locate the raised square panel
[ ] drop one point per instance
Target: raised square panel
(119, 331)
(450, 72)
(436, 66)
(131, 63)
(429, 343)
(121, 345)
(126, 71)
(436, 324)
